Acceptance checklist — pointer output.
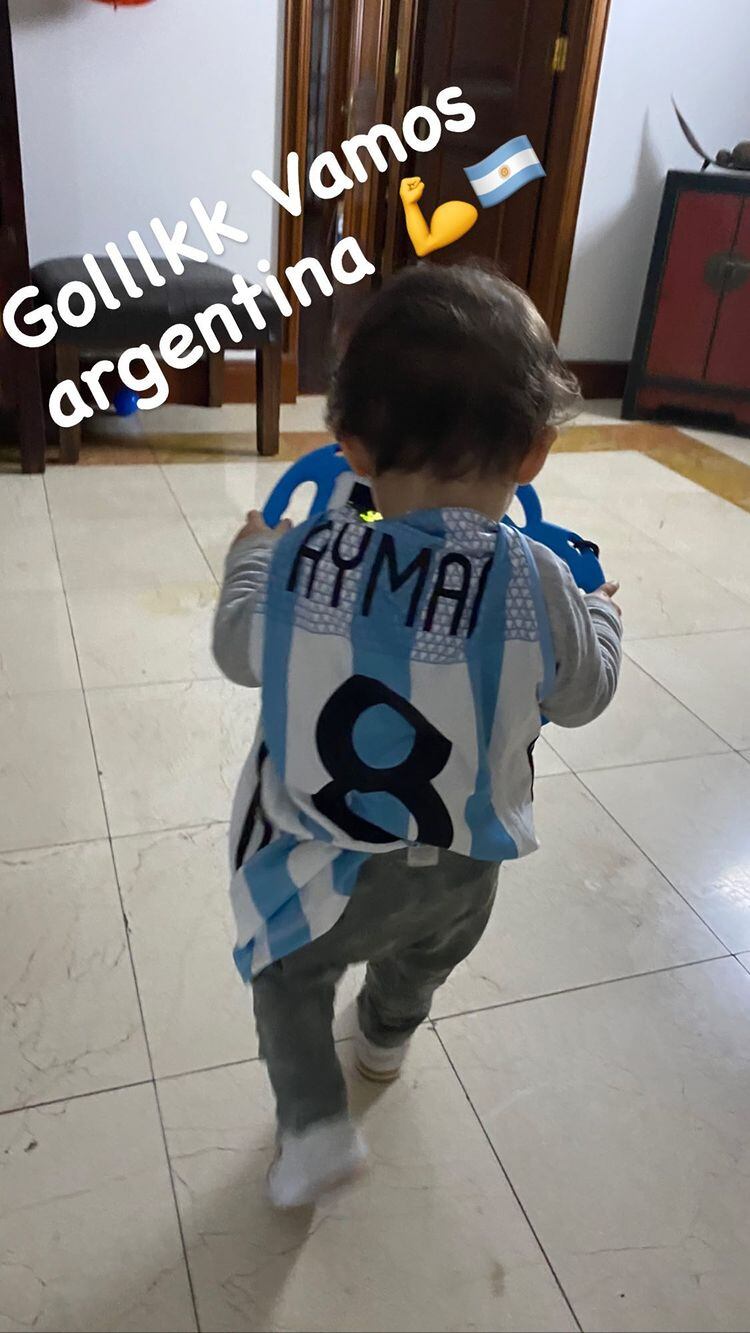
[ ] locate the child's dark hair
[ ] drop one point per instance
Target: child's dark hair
(451, 370)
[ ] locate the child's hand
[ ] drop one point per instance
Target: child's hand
(256, 527)
(607, 591)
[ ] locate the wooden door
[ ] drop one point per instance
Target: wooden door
(500, 53)
(20, 384)
(326, 120)
(385, 56)
(350, 89)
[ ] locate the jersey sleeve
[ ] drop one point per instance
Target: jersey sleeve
(238, 620)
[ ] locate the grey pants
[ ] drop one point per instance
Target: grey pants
(412, 925)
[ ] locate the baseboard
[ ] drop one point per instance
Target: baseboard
(600, 379)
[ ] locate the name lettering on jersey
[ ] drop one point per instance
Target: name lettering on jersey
(458, 581)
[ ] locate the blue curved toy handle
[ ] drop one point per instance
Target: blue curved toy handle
(324, 466)
(581, 556)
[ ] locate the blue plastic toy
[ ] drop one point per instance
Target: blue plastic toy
(581, 556)
(324, 466)
(125, 402)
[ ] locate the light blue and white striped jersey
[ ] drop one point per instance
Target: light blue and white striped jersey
(402, 666)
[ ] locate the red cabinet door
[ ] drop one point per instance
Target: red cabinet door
(687, 309)
(729, 358)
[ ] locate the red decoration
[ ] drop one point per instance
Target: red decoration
(124, 2)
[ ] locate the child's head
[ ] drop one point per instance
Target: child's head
(451, 371)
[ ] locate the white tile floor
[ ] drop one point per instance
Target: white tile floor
(570, 1144)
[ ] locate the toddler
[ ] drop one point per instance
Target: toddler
(405, 665)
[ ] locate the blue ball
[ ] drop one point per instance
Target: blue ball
(125, 402)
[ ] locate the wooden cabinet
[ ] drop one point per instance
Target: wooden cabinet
(20, 390)
(692, 349)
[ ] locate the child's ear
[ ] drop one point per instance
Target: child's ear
(537, 456)
(356, 455)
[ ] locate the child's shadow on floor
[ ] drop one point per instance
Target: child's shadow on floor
(242, 1253)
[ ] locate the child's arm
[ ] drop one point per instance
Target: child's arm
(244, 587)
(587, 638)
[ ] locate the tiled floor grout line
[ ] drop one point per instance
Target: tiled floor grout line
(586, 985)
(174, 828)
(432, 1022)
(213, 823)
(115, 685)
(677, 700)
(217, 676)
(146, 684)
(650, 859)
(684, 634)
(642, 531)
(128, 941)
(77, 1096)
(48, 846)
(636, 763)
(729, 748)
(645, 763)
(541, 777)
(511, 1187)
(213, 1069)
(115, 837)
(188, 524)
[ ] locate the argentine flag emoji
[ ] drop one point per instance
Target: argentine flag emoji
(506, 170)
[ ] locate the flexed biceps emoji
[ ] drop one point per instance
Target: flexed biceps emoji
(448, 223)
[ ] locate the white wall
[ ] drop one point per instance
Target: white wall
(698, 51)
(127, 114)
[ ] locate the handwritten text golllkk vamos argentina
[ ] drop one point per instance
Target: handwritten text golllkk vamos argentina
(139, 368)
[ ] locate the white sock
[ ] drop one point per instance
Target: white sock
(381, 1063)
(311, 1162)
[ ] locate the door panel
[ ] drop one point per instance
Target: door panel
(326, 122)
(500, 55)
(352, 43)
(371, 54)
(729, 359)
(380, 57)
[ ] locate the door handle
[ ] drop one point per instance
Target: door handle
(726, 272)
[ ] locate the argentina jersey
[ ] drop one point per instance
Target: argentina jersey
(402, 663)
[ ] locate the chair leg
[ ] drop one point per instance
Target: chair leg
(31, 428)
(48, 372)
(268, 396)
(68, 368)
(216, 379)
